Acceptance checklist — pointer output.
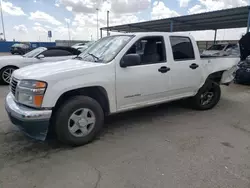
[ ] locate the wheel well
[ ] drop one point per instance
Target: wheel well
(216, 76)
(96, 92)
(9, 66)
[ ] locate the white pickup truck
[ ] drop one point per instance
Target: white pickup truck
(118, 73)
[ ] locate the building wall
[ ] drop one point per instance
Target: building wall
(5, 45)
(69, 43)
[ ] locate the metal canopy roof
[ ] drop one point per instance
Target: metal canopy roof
(222, 19)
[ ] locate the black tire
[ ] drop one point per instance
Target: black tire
(211, 87)
(64, 113)
(2, 81)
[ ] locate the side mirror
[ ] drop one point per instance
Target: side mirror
(130, 60)
(40, 56)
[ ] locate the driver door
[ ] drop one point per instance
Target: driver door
(146, 83)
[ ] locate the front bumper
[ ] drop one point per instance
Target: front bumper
(32, 122)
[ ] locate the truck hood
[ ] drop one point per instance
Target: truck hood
(53, 69)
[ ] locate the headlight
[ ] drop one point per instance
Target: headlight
(31, 92)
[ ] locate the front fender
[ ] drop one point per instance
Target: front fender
(56, 89)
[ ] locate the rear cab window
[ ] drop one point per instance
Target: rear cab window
(182, 48)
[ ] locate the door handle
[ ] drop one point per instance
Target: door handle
(164, 69)
(194, 66)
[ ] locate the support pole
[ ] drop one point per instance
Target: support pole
(101, 32)
(4, 37)
(107, 23)
(171, 26)
(248, 21)
(215, 35)
(97, 24)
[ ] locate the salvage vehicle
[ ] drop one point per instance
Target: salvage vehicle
(221, 49)
(82, 47)
(39, 55)
(114, 75)
(243, 73)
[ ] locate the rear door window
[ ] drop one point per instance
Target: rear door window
(182, 48)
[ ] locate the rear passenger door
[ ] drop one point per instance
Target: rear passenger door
(185, 71)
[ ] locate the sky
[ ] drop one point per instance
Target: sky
(30, 20)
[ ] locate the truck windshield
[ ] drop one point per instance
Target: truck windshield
(105, 49)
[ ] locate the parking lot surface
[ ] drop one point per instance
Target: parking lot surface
(163, 146)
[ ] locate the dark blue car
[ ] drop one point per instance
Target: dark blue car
(243, 73)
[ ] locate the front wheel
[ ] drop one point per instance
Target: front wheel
(79, 121)
(207, 97)
(5, 74)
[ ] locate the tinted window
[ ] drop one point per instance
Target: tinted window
(151, 50)
(56, 52)
(182, 48)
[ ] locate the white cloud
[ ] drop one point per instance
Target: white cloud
(212, 5)
(129, 6)
(69, 8)
(21, 28)
(47, 26)
(184, 3)
(40, 29)
(86, 6)
(115, 6)
(67, 20)
(44, 17)
(12, 10)
(160, 11)
(196, 9)
(37, 24)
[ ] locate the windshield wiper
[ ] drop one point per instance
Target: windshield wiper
(95, 57)
(77, 57)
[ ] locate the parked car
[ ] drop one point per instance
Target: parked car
(39, 55)
(243, 73)
(220, 49)
(19, 49)
(73, 97)
(83, 46)
(78, 45)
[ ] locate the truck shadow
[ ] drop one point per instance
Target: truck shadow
(14, 146)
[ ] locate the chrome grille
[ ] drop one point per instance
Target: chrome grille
(13, 85)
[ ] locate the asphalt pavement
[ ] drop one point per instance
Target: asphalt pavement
(166, 146)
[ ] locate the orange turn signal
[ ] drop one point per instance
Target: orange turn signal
(40, 84)
(38, 100)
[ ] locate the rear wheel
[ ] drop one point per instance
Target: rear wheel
(207, 97)
(79, 121)
(5, 74)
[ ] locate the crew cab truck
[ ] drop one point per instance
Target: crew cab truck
(118, 73)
